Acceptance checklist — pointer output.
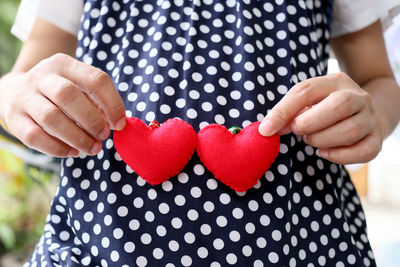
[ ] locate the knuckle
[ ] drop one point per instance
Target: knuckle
(302, 126)
(31, 136)
(48, 64)
(377, 147)
(99, 78)
(96, 126)
(60, 152)
(58, 58)
(343, 102)
(31, 76)
(347, 98)
(50, 117)
(339, 76)
(303, 89)
(14, 105)
(371, 151)
(353, 131)
(64, 92)
(118, 110)
(85, 143)
(281, 114)
(40, 67)
(367, 98)
(368, 155)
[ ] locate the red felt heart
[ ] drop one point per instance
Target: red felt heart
(237, 160)
(156, 153)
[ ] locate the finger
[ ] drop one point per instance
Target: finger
(70, 99)
(53, 121)
(94, 81)
(303, 94)
(334, 108)
(36, 138)
(344, 133)
(288, 128)
(361, 152)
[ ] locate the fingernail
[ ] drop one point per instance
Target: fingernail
(73, 153)
(95, 148)
(120, 125)
(266, 128)
(305, 138)
(104, 133)
(322, 153)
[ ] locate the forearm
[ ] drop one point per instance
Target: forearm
(385, 94)
(362, 55)
(44, 41)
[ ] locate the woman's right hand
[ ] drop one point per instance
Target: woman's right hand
(61, 106)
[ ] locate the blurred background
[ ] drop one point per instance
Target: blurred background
(28, 180)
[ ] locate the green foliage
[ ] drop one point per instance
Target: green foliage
(9, 45)
(7, 236)
(25, 194)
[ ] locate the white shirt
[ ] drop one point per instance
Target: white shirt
(348, 15)
(64, 14)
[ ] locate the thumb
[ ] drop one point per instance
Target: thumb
(274, 122)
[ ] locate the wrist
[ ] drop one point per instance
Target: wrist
(385, 98)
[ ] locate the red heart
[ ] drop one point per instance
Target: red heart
(237, 160)
(156, 153)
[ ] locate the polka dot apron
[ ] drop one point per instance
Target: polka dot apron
(205, 61)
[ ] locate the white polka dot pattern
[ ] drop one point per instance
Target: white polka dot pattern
(205, 61)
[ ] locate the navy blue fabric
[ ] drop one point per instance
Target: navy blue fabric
(205, 61)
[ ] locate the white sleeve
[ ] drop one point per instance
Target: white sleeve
(64, 14)
(353, 15)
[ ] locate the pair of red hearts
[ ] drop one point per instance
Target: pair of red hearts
(156, 153)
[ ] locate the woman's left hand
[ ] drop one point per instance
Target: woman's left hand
(333, 114)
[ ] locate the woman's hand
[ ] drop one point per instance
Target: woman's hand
(61, 106)
(333, 114)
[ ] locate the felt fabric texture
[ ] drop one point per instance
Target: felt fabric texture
(240, 160)
(156, 154)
